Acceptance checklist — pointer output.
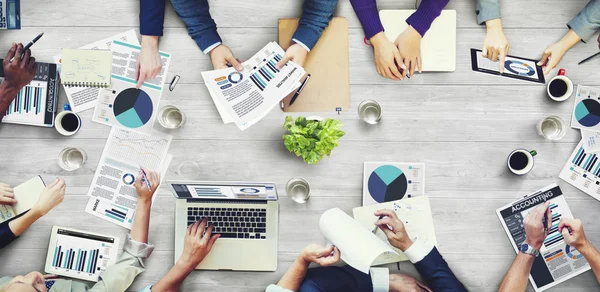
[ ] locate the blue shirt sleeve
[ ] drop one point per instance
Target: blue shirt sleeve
(587, 22)
(152, 17)
(6, 235)
(316, 15)
(437, 274)
(487, 10)
(200, 25)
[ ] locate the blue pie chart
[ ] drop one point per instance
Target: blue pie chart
(519, 68)
(387, 183)
(133, 108)
(587, 112)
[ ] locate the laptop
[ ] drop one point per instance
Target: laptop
(245, 214)
(438, 46)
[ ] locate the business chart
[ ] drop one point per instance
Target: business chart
(586, 109)
(81, 255)
(133, 108)
(385, 182)
(520, 68)
(582, 170)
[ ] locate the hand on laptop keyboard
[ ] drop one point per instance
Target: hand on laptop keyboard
(197, 243)
(244, 223)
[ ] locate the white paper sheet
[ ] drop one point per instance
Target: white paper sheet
(591, 140)
(83, 98)
(359, 247)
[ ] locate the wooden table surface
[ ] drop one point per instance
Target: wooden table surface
(462, 125)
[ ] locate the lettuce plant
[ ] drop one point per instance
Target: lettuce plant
(311, 139)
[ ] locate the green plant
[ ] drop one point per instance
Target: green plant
(311, 139)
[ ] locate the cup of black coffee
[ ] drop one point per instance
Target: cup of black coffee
(560, 87)
(520, 161)
(67, 123)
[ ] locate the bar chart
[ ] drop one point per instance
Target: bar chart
(29, 104)
(265, 71)
(553, 235)
(582, 170)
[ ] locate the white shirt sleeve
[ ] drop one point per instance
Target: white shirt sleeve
(418, 251)
(207, 50)
(301, 44)
(275, 288)
(380, 277)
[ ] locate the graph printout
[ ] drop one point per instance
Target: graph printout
(557, 261)
(114, 197)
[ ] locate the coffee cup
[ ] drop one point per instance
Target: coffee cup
(520, 161)
(67, 123)
(560, 87)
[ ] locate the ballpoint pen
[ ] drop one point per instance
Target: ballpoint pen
(300, 89)
(377, 227)
(145, 180)
(29, 45)
(588, 58)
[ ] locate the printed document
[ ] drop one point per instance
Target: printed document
(247, 96)
(113, 196)
(83, 98)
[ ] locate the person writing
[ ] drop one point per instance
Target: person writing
(495, 43)
(428, 261)
(203, 29)
(51, 197)
(117, 277)
(581, 28)
(403, 57)
(17, 74)
(573, 234)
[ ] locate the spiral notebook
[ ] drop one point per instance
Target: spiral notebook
(86, 68)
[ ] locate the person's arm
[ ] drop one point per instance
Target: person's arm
(428, 261)
(368, 15)
(587, 21)
(323, 256)
(141, 222)
(554, 52)
(426, 13)
(17, 74)
(487, 10)
(152, 17)
(535, 233)
(200, 25)
(573, 233)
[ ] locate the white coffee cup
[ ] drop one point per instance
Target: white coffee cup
(67, 123)
(520, 161)
(561, 76)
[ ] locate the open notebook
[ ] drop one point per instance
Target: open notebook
(27, 195)
(86, 68)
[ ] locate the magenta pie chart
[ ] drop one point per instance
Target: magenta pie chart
(133, 108)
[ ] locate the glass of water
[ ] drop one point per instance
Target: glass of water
(369, 111)
(298, 190)
(171, 117)
(552, 128)
(71, 158)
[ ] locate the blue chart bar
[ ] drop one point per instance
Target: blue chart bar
(589, 162)
(82, 260)
(266, 73)
(115, 214)
(29, 99)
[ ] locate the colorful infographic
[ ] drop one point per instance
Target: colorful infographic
(133, 108)
(391, 181)
(519, 68)
(586, 109)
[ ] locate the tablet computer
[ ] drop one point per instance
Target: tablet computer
(514, 67)
(557, 261)
(80, 254)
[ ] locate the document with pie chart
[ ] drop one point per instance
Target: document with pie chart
(123, 105)
(586, 109)
(391, 181)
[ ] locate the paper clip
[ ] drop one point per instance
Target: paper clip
(174, 82)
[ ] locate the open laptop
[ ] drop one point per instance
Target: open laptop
(438, 46)
(245, 214)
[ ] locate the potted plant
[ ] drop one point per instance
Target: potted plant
(311, 139)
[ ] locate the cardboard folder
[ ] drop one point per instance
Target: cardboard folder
(328, 89)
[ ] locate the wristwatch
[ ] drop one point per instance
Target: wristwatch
(528, 249)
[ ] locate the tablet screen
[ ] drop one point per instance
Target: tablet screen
(80, 255)
(514, 67)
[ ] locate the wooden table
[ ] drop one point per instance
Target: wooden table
(461, 125)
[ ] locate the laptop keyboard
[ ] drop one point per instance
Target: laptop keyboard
(246, 223)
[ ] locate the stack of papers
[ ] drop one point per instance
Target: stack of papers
(247, 96)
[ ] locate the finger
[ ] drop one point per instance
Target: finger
(19, 53)
(189, 229)
(552, 62)
(201, 227)
(4, 185)
(548, 217)
(386, 230)
(26, 57)
(212, 240)
(11, 53)
(484, 52)
(7, 201)
(388, 73)
(326, 251)
(50, 276)
(208, 234)
(413, 67)
(494, 55)
(544, 58)
(59, 184)
(502, 58)
(7, 195)
(137, 71)
(337, 254)
(397, 62)
(32, 64)
(423, 286)
(51, 185)
(420, 64)
(565, 233)
(406, 71)
(235, 63)
(395, 73)
(194, 230)
(386, 212)
(141, 80)
(284, 60)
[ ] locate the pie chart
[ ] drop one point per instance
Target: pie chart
(133, 108)
(572, 252)
(387, 183)
(519, 68)
(587, 112)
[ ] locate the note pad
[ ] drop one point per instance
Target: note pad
(86, 68)
(26, 194)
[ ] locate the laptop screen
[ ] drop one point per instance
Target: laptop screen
(224, 191)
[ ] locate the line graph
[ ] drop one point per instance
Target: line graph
(141, 149)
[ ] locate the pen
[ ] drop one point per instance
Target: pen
(29, 45)
(377, 227)
(300, 89)
(145, 179)
(588, 58)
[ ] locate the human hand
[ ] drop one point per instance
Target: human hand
(409, 46)
(7, 196)
(51, 197)
(221, 57)
(394, 229)
(142, 188)
(495, 43)
(20, 71)
(552, 56)
(323, 256)
(405, 283)
(535, 231)
(572, 232)
(197, 244)
(148, 63)
(294, 53)
(387, 58)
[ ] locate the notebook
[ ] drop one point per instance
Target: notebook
(35, 104)
(86, 68)
(438, 46)
(328, 89)
(27, 195)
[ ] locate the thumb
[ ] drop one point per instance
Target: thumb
(565, 233)
(544, 58)
(484, 52)
(235, 63)
(212, 241)
(325, 251)
(284, 60)
(388, 233)
(501, 63)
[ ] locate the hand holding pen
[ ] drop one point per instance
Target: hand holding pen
(393, 228)
(146, 183)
